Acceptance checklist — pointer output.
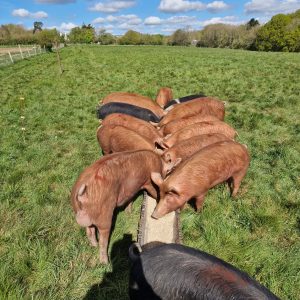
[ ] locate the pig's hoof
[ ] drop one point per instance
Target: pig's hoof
(94, 243)
(104, 260)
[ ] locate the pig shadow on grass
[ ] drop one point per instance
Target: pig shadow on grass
(115, 283)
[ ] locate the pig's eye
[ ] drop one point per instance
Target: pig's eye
(172, 192)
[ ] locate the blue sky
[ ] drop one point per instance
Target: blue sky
(151, 16)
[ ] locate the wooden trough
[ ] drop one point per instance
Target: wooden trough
(165, 230)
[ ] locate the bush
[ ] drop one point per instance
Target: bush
(228, 36)
(180, 38)
(47, 38)
(131, 38)
(11, 34)
(105, 38)
(84, 35)
(281, 33)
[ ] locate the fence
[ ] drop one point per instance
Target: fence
(9, 55)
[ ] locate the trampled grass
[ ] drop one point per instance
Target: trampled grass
(45, 255)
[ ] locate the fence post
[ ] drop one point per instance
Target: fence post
(35, 49)
(21, 51)
(10, 57)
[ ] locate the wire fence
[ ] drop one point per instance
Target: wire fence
(10, 55)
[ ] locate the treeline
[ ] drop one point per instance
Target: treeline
(281, 33)
(12, 34)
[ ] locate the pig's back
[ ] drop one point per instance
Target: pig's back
(179, 272)
(213, 164)
(206, 127)
(188, 147)
(134, 99)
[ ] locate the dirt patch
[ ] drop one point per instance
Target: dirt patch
(13, 49)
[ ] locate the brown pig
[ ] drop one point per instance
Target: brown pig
(141, 127)
(203, 105)
(108, 183)
(198, 129)
(116, 138)
(208, 167)
(163, 96)
(135, 99)
(179, 124)
(186, 148)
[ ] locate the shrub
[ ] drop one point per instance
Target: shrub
(47, 38)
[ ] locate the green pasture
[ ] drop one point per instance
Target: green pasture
(44, 254)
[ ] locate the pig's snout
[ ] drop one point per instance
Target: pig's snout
(156, 214)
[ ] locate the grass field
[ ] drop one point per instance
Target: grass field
(44, 254)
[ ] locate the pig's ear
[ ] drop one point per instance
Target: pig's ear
(168, 109)
(156, 178)
(177, 162)
(159, 151)
(161, 143)
(153, 123)
(167, 136)
(135, 251)
(168, 157)
(82, 196)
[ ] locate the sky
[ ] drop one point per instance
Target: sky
(147, 16)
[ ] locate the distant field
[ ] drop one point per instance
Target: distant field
(43, 252)
(13, 49)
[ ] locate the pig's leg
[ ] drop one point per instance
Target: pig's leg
(91, 234)
(199, 202)
(104, 227)
(230, 184)
(237, 179)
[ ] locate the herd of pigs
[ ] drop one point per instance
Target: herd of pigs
(176, 150)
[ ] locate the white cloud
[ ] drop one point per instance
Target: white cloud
(99, 20)
(63, 27)
(230, 20)
(174, 6)
(129, 19)
(217, 6)
(271, 7)
(39, 15)
(66, 27)
(24, 13)
(111, 6)
(153, 21)
(21, 12)
(187, 20)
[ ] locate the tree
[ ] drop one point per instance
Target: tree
(180, 38)
(11, 34)
(252, 23)
(105, 38)
(131, 38)
(48, 37)
(281, 33)
(85, 34)
(37, 26)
